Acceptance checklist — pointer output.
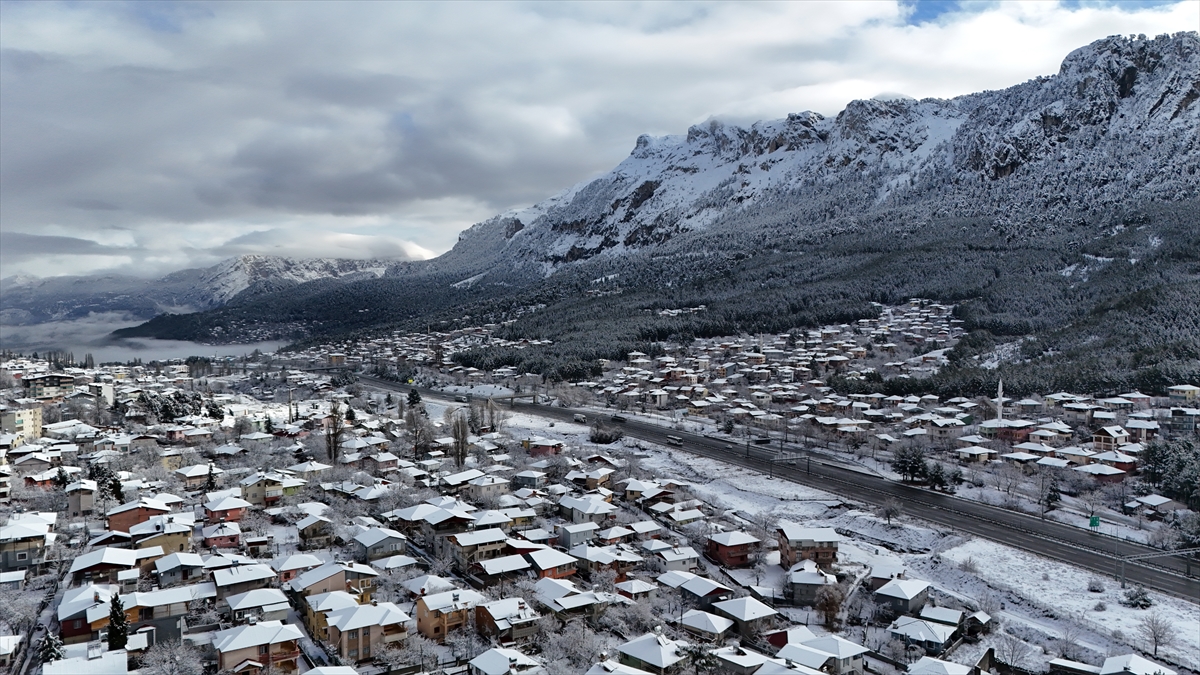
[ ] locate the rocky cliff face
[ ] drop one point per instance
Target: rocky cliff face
(1118, 123)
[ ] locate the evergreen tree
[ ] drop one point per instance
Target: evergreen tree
(1053, 494)
(937, 476)
(210, 483)
(414, 398)
(910, 463)
(115, 489)
(61, 479)
(118, 624)
(51, 646)
(350, 414)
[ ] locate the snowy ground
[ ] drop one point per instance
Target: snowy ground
(1062, 591)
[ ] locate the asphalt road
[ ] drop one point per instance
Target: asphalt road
(1065, 543)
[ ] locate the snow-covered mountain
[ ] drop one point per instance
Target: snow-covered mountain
(1118, 123)
(225, 281)
(32, 300)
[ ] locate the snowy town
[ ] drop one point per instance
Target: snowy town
(377, 508)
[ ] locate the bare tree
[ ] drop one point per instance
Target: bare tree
(1013, 651)
(1068, 641)
(1156, 630)
(172, 658)
(1092, 501)
(415, 650)
(890, 508)
(829, 603)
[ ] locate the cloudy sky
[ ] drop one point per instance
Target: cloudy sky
(144, 137)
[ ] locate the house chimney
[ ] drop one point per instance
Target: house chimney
(455, 596)
(374, 603)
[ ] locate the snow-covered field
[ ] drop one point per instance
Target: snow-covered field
(1062, 589)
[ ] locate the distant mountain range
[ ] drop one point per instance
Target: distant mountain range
(1062, 212)
(31, 300)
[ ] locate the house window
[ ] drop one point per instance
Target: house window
(354, 653)
(77, 624)
(366, 651)
(353, 635)
(262, 649)
(23, 555)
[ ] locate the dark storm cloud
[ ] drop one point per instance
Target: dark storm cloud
(158, 135)
(18, 246)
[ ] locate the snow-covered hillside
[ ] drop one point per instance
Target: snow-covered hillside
(224, 281)
(1117, 123)
(30, 300)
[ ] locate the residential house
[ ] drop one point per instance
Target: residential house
(240, 578)
(270, 646)
(222, 535)
(226, 510)
(265, 488)
(163, 610)
(317, 607)
(103, 564)
(552, 564)
(655, 653)
(903, 596)
(500, 661)
(571, 535)
(178, 568)
(731, 549)
(81, 497)
(709, 627)
(564, 599)
(336, 576)
(805, 581)
(378, 542)
(196, 476)
(23, 545)
(507, 621)
(751, 616)
(848, 656)
(440, 613)
(173, 532)
(797, 543)
(932, 636)
(291, 566)
(468, 548)
(362, 632)
(1109, 438)
(315, 532)
(125, 516)
(260, 604)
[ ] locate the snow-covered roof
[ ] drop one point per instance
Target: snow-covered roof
(262, 633)
(464, 598)
(705, 622)
(1132, 664)
(374, 614)
(501, 661)
(927, 665)
(655, 649)
(744, 609)
(905, 589)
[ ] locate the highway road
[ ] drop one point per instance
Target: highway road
(1065, 543)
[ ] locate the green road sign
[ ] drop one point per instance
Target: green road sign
(1094, 521)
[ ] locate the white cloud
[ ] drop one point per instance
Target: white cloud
(172, 130)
